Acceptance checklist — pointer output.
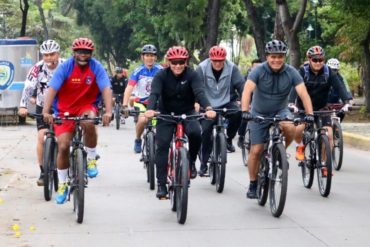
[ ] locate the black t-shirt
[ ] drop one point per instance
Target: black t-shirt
(118, 85)
(176, 94)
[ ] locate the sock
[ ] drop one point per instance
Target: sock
(41, 169)
(91, 153)
(62, 175)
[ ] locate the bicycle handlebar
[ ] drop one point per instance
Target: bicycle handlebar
(179, 118)
(59, 120)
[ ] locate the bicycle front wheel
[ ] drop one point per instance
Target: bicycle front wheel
(263, 180)
(220, 168)
(278, 180)
(117, 114)
(324, 166)
(338, 145)
(150, 166)
(48, 159)
(307, 165)
(182, 185)
(79, 184)
(245, 148)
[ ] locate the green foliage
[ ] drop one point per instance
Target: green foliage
(351, 74)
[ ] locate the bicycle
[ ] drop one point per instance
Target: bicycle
(246, 146)
(272, 177)
(337, 153)
(317, 155)
(77, 172)
(178, 170)
(49, 159)
(117, 110)
(218, 157)
(148, 152)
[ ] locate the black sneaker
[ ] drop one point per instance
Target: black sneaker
(241, 142)
(203, 171)
(40, 181)
(252, 191)
(162, 192)
(230, 147)
(193, 173)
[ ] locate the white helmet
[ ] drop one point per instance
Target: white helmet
(333, 63)
(49, 46)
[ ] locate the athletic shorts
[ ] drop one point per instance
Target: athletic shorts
(40, 121)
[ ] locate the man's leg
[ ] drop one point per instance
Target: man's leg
(206, 147)
(193, 131)
(253, 166)
(39, 152)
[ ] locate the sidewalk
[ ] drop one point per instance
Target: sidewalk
(357, 135)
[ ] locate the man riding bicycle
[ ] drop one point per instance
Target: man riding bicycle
(318, 79)
(119, 83)
(76, 88)
(141, 78)
(271, 83)
(36, 85)
(223, 82)
(175, 90)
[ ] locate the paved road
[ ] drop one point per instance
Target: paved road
(121, 211)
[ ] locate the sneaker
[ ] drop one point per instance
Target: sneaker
(123, 121)
(40, 181)
(137, 147)
(230, 147)
(161, 191)
(252, 191)
(241, 142)
(193, 173)
(92, 170)
(203, 171)
(61, 193)
(299, 154)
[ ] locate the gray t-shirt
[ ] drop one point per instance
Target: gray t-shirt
(272, 92)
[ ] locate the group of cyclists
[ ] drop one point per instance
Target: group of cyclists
(77, 85)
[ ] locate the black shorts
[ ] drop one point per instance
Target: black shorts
(39, 120)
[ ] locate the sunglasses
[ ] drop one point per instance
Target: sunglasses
(317, 60)
(82, 51)
(178, 62)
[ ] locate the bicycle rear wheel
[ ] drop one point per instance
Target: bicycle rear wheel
(263, 180)
(182, 185)
(150, 152)
(338, 145)
(324, 166)
(117, 114)
(279, 180)
(307, 165)
(246, 147)
(79, 184)
(48, 156)
(220, 168)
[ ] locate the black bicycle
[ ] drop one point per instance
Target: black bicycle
(117, 110)
(178, 171)
(246, 146)
(337, 153)
(77, 172)
(318, 155)
(49, 159)
(272, 175)
(218, 157)
(148, 152)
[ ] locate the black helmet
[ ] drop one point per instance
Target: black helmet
(149, 49)
(118, 69)
(276, 46)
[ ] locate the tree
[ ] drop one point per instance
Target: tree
(24, 6)
(43, 20)
(212, 25)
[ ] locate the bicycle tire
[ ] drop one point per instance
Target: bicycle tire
(212, 163)
(324, 181)
(151, 160)
(79, 190)
(220, 162)
(117, 114)
(246, 148)
(47, 166)
(338, 146)
(54, 167)
(280, 165)
(182, 185)
(171, 175)
(262, 180)
(307, 165)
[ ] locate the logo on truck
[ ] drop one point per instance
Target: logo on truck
(6, 74)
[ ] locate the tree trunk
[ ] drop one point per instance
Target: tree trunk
(278, 28)
(291, 29)
(257, 29)
(24, 8)
(213, 11)
(43, 20)
(366, 71)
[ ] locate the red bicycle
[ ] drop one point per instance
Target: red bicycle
(178, 171)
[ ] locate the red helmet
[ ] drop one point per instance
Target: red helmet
(83, 43)
(315, 52)
(217, 53)
(177, 52)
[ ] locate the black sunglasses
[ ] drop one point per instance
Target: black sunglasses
(317, 60)
(178, 62)
(83, 51)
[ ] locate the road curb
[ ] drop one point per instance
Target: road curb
(357, 141)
